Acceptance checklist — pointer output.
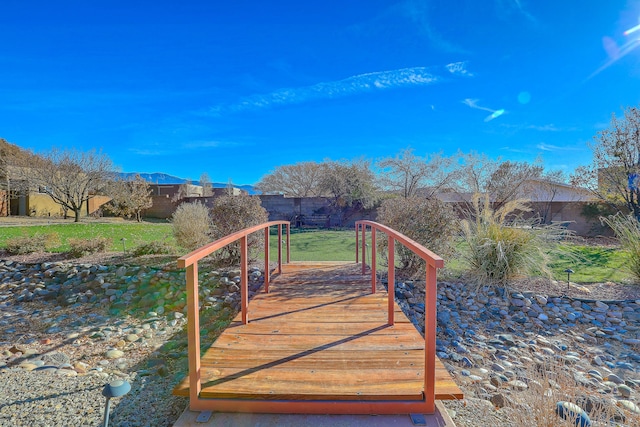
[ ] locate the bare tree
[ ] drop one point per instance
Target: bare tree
(183, 191)
(70, 177)
(129, 197)
(545, 191)
(207, 186)
(614, 174)
(501, 180)
(302, 179)
(350, 184)
(408, 174)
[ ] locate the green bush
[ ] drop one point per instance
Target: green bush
(234, 213)
(627, 231)
(30, 244)
(191, 225)
(429, 222)
(153, 248)
(500, 245)
(82, 247)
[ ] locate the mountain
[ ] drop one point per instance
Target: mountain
(163, 178)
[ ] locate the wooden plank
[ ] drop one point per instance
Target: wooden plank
(315, 328)
(311, 339)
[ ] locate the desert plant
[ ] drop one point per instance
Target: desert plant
(30, 244)
(556, 396)
(191, 225)
(156, 247)
(501, 244)
(429, 222)
(82, 247)
(234, 213)
(627, 231)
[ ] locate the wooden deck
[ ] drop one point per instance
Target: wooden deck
(319, 335)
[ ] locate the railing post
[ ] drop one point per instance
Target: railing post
(266, 260)
(430, 337)
(364, 250)
(373, 260)
(193, 328)
(244, 279)
(279, 248)
(391, 280)
(288, 243)
(357, 242)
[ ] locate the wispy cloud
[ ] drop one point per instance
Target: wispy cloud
(545, 128)
(148, 152)
(473, 103)
(361, 83)
(549, 147)
(419, 13)
(459, 69)
(517, 7)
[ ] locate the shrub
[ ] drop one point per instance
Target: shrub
(234, 213)
(82, 247)
(429, 222)
(30, 244)
(500, 245)
(627, 230)
(191, 225)
(153, 248)
(550, 382)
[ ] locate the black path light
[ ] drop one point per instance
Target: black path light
(124, 245)
(115, 388)
(568, 271)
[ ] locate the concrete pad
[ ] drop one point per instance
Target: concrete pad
(219, 419)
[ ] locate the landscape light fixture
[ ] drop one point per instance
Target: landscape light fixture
(568, 271)
(116, 388)
(124, 247)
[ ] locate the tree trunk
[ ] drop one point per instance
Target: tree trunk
(77, 214)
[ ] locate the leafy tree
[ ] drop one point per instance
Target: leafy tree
(129, 197)
(614, 174)
(70, 177)
(351, 185)
(408, 174)
(302, 179)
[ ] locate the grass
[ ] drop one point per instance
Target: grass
(319, 245)
(590, 264)
(134, 233)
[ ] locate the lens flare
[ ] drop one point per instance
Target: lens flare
(494, 115)
(524, 97)
(632, 30)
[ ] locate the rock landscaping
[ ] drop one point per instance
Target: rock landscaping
(501, 345)
(68, 329)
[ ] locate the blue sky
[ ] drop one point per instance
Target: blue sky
(236, 88)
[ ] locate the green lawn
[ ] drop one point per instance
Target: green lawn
(321, 245)
(134, 233)
(590, 263)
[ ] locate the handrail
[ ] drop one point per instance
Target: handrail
(190, 262)
(433, 262)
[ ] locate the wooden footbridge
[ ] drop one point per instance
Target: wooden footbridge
(323, 338)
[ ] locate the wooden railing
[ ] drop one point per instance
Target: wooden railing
(190, 262)
(433, 262)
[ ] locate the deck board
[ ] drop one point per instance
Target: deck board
(320, 334)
